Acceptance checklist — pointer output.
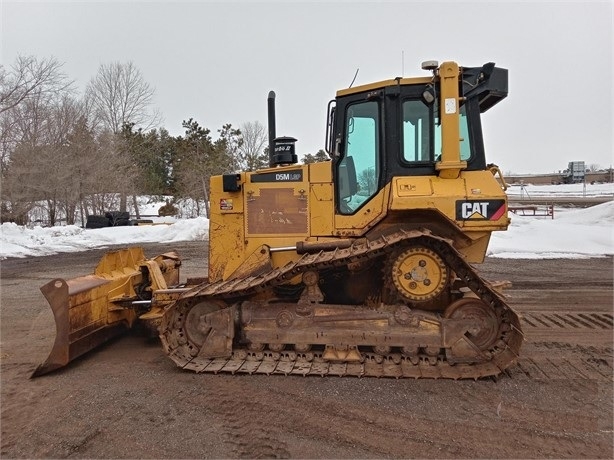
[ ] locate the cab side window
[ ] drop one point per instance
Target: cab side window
(418, 121)
(465, 145)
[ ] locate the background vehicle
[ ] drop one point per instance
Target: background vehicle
(356, 266)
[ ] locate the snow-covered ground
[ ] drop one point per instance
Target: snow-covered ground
(573, 233)
(18, 241)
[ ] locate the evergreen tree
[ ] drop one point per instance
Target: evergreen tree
(320, 156)
(228, 148)
(194, 163)
(151, 156)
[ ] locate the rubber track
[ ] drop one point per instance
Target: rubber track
(503, 354)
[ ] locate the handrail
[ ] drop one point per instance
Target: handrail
(494, 169)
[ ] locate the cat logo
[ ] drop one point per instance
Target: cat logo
(480, 210)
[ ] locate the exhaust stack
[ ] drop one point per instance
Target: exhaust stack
(271, 113)
(281, 149)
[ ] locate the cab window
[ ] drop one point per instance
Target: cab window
(465, 146)
(417, 123)
(358, 170)
(418, 144)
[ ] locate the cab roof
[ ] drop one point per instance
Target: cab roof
(385, 83)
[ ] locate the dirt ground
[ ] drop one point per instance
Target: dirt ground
(128, 400)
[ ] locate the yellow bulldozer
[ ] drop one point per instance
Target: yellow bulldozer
(358, 266)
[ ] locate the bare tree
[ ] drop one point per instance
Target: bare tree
(25, 90)
(255, 139)
(30, 78)
(594, 167)
(55, 162)
(119, 95)
(44, 171)
(31, 96)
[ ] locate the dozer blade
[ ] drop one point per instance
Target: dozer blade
(93, 309)
(80, 319)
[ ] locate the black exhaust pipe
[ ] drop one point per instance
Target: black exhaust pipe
(281, 149)
(271, 112)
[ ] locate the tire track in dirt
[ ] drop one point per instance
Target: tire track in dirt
(240, 413)
(566, 345)
(377, 429)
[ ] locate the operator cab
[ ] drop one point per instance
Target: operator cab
(394, 128)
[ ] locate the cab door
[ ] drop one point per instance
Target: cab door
(360, 198)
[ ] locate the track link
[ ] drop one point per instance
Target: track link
(503, 353)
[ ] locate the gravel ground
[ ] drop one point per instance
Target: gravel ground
(128, 400)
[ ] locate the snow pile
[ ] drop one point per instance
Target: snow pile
(18, 241)
(573, 233)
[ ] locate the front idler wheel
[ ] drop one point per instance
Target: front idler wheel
(204, 328)
(485, 332)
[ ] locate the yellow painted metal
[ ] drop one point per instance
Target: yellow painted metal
(321, 199)
(256, 263)
(275, 208)
(476, 251)
(226, 230)
(441, 194)
(320, 172)
(322, 209)
(226, 245)
(366, 218)
(236, 235)
(408, 186)
(450, 165)
(419, 274)
(241, 221)
(91, 309)
(383, 84)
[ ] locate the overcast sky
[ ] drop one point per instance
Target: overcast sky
(217, 61)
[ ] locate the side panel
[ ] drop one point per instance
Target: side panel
(321, 196)
(276, 208)
(276, 202)
(226, 229)
(474, 201)
(365, 218)
(474, 205)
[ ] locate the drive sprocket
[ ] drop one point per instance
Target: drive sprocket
(419, 274)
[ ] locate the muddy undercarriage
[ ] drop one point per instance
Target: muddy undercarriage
(421, 311)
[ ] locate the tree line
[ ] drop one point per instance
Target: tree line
(64, 155)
